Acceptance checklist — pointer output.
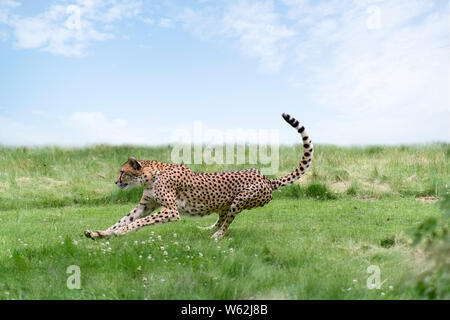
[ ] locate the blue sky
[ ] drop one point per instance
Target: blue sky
(76, 72)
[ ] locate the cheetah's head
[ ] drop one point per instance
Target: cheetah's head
(130, 174)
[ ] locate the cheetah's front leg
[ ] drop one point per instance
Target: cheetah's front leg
(166, 196)
(165, 215)
(144, 208)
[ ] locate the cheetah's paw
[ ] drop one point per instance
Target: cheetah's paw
(91, 234)
(218, 235)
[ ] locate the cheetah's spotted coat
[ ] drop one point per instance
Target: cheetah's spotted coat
(179, 190)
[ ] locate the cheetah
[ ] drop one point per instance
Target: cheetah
(178, 190)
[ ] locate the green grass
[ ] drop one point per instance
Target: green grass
(357, 207)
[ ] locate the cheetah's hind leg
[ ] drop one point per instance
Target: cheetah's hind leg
(256, 195)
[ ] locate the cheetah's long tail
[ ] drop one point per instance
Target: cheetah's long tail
(306, 159)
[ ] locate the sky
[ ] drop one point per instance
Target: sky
(81, 72)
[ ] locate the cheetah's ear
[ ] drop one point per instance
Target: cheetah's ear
(134, 163)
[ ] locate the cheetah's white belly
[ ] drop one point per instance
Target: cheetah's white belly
(192, 209)
(184, 207)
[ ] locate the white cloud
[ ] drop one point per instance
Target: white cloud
(78, 128)
(17, 133)
(5, 9)
(259, 32)
(148, 20)
(165, 23)
(374, 65)
(96, 127)
(99, 127)
(121, 10)
(68, 28)
(391, 77)
(368, 70)
(254, 25)
(9, 3)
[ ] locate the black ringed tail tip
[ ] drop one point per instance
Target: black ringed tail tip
(292, 121)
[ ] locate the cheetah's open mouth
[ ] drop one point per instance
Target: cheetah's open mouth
(123, 186)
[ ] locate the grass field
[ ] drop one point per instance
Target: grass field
(355, 208)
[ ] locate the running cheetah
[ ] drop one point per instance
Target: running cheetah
(179, 190)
